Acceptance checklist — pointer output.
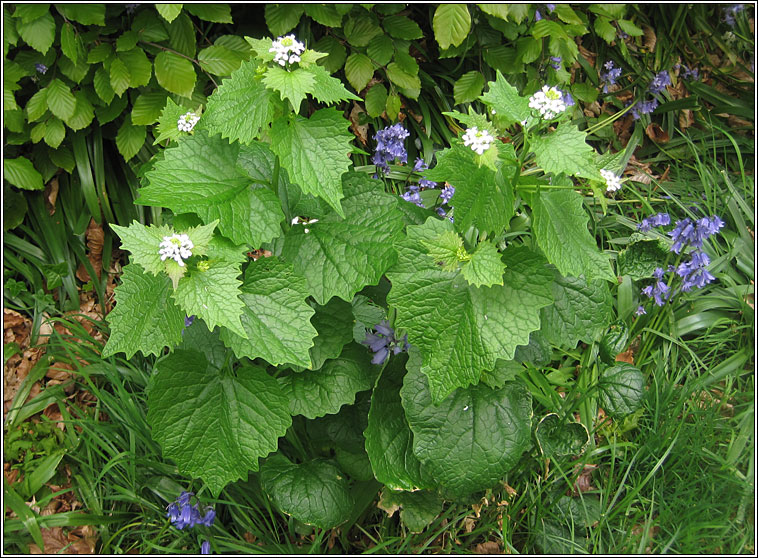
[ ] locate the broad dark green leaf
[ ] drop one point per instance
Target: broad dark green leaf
(315, 492)
(561, 438)
(622, 388)
(214, 424)
(472, 438)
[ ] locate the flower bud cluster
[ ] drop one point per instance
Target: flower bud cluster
(612, 181)
(187, 121)
(548, 102)
(287, 49)
(477, 140)
(177, 247)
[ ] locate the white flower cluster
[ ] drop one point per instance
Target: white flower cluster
(304, 221)
(187, 121)
(612, 181)
(287, 49)
(549, 102)
(478, 140)
(176, 247)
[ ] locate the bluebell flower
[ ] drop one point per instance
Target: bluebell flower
(657, 220)
(182, 514)
(694, 272)
(447, 193)
(550, 7)
(610, 76)
(693, 234)
(420, 165)
(413, 196)
(690, 74)
(40, 67)
(188, 320)
(555, 62)
(660, 291)
(640, 311)
(730, 12)
(622, 34)
(644, 107)
(382, 342)
(390, 146)
(205, 548)
(537, 15)
(659, 83)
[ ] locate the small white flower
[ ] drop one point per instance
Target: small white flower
(612, 181)
(287, 49)
(177, 247)
(493, 111)
(478, 140)
(187, 121)
(304, 221)
(549, 102)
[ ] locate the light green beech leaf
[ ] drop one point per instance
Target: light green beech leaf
(145, 317)
(174, 73)
(485, 268)
(205, 175)
(60, 100)
(581, 312)
(560, 226)
(281, 18)
(218, 60)
(461, 329)
(276, 317)
(338, 257)
(211, 290)
(38, 33)
(483, 197)
(468, 87)
(451, 23)
(21, 173)
(315, 492)
(315, 393)
(169, 11)
(315, 152)
(389, 440)
(472, 438)
(212, 423)
(240, 107)
(358, 70)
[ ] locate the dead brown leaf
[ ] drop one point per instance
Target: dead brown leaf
(584, 480)
(469, 522)
(360, 130)
(623, 129)
(648, 38)
(79, 541)
(588, 55)
(95, 238)
(51, 195)
(489, 547)
(656, 133)
(626, 356)
(383, 505)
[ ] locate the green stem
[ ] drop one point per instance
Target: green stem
(281, 189)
